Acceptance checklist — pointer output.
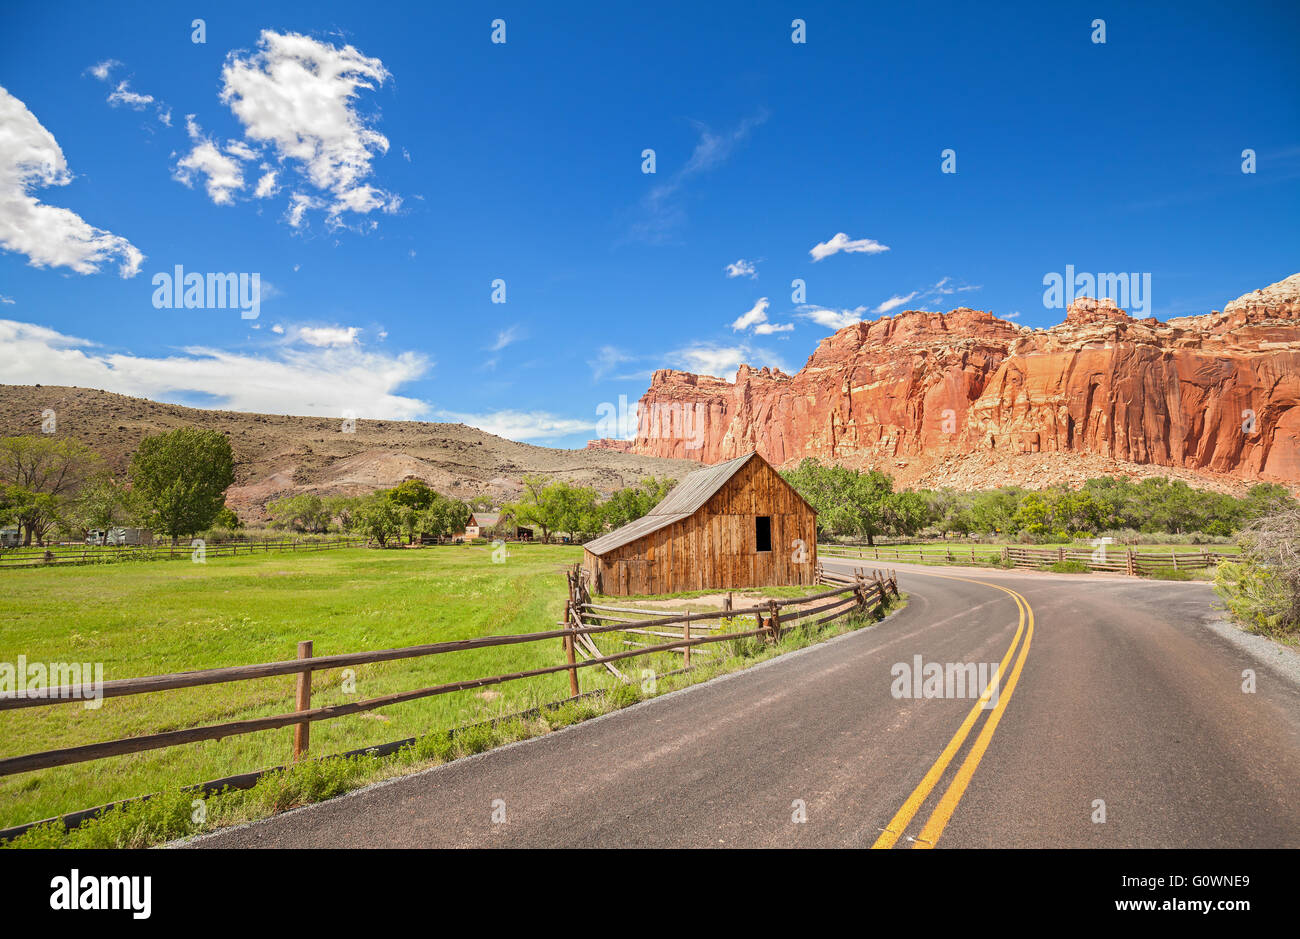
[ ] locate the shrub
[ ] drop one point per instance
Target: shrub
(1262, 590)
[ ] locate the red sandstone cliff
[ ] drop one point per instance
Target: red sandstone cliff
(967, 399)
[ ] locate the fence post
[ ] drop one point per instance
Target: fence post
(1173, 553)
(686, 634)
(570, 653)
(302, 732)
(1006, 555)
(1131, 567)
(774, 618)
(1060, 554)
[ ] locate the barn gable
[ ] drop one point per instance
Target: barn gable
(736, 524)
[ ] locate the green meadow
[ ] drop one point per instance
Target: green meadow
(156, 617)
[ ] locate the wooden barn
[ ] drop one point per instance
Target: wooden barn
(736, 524)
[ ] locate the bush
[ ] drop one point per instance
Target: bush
(1067, 567)
(1262, 590)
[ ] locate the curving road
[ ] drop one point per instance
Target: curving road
(1112, 689)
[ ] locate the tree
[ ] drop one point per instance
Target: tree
(181, 478)
(305, 512)
(102, 503)
(376, 517)
(632, 502)
(535, 509)
(443, 517)
(40, 474)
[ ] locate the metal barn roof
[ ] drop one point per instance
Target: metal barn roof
(687, 498)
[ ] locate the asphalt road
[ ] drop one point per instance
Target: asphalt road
(1113, 689)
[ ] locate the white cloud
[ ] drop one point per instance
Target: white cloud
(223, 173)
(660, 209)
(294, 381)
(521, 425)
(1010, 316)
(895, 302)
(278, 329)
(297, 94)
(30, 157)
(766, 329)
(327, 336)
(505, 337)
(165, 116)
(4, 299)
(704, 358)
(842, 242)
(102, 69)
(833, 319)
(742, 268)
(266, 186)
(609, 358)
(757, 314)
(125, 96)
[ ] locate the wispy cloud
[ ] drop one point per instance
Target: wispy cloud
(660, 210)
(521, 425)
(505, 337)
(721, 361)
(742, 268)
(842, 242)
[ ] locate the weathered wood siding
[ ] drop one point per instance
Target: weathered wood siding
(716, 547)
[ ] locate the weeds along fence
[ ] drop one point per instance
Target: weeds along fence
(645, 630)
(1123, 561)
(112, 554)
(857, 593)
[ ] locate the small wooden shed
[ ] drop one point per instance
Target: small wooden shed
(736, 524)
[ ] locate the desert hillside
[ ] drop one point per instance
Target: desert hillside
(277, 455)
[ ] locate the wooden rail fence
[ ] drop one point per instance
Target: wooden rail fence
(1114, 559)
(108, 554)
(856, 593)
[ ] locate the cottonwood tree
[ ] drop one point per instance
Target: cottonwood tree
(181, 478)
(39, 475)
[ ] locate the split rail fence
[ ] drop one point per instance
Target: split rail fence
(848, 594)
(109, 554)
(1122, 560)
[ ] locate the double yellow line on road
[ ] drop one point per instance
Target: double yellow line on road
(939, 818)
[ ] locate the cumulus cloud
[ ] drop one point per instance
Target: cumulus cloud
(266, 186)
(757, 314)
(49, 236)
(297, 95)
(842, 242)
(742, 268)
(292, 381)
(756, 318)
(224, 175)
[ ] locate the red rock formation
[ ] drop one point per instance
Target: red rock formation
(964, 397)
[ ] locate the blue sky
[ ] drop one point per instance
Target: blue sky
(427, 161)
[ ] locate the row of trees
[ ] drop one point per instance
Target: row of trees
(410, 509)
(551, 506)
(175, 485)
(864, 504)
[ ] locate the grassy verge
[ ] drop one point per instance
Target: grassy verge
(174, 813)
(157, 617)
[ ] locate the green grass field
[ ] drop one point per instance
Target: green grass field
(155, 617)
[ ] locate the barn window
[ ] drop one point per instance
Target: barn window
(763, 533)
